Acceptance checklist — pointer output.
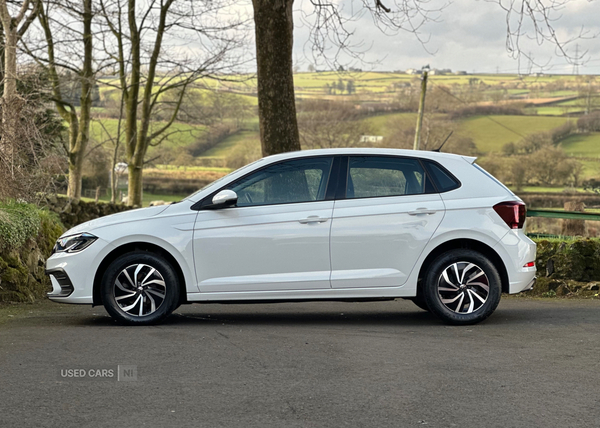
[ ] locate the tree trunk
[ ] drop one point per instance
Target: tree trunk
(80, 135)
(274, 27)
(135, 187)
(10, 120)
(75, 172)
(10, 64)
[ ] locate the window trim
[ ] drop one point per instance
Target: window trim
(204, 203)
(343, 184)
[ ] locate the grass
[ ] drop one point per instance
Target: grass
(229, 145)
(490, 133)
(181, 134)
(587, 145)
(384, 124)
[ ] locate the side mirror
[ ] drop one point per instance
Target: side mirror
(223, 199)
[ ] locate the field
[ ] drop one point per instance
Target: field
(550, 101)
(181, 134)
(490, 133)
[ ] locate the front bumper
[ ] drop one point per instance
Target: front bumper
(61, 283)
(72, 274)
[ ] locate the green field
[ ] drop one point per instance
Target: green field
(180, 134)
(229, 145)
(490, 133)
(587, 145)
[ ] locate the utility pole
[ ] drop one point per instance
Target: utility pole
(421, 109)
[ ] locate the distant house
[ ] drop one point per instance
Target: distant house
(461, 73)
(371, 139)
(414, 71)
(372, 107)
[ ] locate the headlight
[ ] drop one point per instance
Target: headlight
(74, 243)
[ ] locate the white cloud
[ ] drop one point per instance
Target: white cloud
(470, 35)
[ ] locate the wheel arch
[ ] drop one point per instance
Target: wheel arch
(466, 243)
(128, 248)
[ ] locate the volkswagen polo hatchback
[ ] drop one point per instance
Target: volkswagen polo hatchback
(336, 224)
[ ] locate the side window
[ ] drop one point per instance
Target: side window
(376, 176)
(443, 181)
(299, 180)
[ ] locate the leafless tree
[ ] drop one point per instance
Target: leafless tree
(326, 124)
(64, 45)
(147, 67)
(14, 27)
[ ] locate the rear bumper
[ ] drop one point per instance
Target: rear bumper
(516, 249)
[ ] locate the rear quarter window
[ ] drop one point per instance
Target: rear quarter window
(444, 181)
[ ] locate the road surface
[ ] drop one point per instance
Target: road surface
(534, 363)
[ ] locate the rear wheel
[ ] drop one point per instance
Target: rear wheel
(462, 287)
(140, 288)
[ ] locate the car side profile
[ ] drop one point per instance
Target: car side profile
(333, 224)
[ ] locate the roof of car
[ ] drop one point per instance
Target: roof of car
(369, 151)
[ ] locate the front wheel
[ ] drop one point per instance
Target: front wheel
(462, 287)
(140, 288)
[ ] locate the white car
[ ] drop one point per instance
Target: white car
(336, 224)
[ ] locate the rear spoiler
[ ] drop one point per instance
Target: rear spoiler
(470, 159)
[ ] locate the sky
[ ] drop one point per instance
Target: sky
(467, 35)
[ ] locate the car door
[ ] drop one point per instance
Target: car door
(382, 220)
(275, 238)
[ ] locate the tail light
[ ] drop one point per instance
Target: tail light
(513, 213)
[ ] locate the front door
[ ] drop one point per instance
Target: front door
(276, 238)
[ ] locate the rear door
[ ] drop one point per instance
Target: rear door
(382, 221)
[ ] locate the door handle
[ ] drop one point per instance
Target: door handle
(313, 219)
(422, 211)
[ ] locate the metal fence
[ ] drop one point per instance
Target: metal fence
(565, 215)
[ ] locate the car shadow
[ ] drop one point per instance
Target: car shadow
(354, 314)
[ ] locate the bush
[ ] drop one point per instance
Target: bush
(18, 223)
(589, 123)
(577, 260)
(486, 110)
(27, 235)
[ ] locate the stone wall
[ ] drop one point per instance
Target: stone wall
(72, 212)
(27, 235)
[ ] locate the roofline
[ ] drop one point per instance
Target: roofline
(368, 151)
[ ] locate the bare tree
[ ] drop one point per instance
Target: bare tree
(14, 27)
(65, 45)
(146, 70)
(326, 124)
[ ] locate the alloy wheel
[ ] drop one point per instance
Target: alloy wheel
(463, 287)
(139, 290)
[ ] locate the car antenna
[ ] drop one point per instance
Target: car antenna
(440, 147)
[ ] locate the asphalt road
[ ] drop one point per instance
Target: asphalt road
(534, 363)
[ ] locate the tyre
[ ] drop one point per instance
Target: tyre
(140, 288)
(462, 287)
